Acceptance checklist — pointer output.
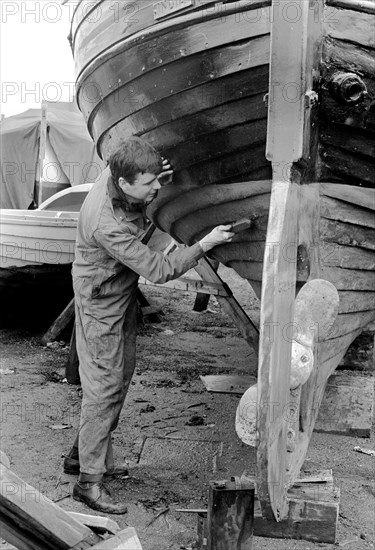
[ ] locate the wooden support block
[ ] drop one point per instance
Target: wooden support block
(313, 512)
(201, 302)
(124, 540)
(230, 515)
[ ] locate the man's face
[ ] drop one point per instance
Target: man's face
(143, 190)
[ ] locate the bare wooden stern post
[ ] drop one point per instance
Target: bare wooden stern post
(296, 39)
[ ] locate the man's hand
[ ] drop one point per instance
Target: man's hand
(219, 235)
(166, 175)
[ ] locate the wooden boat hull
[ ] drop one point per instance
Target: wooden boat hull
(193, 82)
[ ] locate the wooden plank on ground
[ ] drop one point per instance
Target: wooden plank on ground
(99, 524)
(226, 383)
(34, 521)
(124, 540)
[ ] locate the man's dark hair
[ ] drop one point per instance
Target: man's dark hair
(134, 156)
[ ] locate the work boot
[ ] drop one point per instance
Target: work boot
(96, 496)
(71, 467)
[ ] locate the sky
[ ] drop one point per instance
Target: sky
(36, 61)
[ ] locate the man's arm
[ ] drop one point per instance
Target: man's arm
(126, 248)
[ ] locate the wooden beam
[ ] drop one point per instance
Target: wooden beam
(201, 300)
(190, 285)
(59, 324)
(295, 58)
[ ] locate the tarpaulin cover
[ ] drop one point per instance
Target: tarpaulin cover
(20, 137)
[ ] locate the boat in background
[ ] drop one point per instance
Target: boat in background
(36, 255)
(266, 114)
(35, 240)
(39, 242)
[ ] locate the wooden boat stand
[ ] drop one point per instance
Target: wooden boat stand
(31, 521)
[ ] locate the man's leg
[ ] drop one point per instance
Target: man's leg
(71, 462)
(105, 376)
(130, 334)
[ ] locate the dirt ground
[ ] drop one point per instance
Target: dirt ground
(173, 433)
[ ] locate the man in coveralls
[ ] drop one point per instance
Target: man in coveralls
(108, 261)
